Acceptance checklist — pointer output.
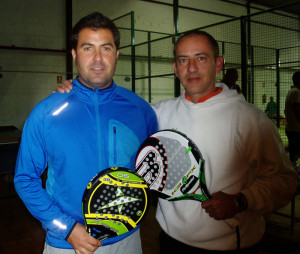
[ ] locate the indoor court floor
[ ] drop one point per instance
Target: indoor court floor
(21, 233)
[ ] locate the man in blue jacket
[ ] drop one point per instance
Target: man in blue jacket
(112, 119)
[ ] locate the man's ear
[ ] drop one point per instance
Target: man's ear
(73, 52)
(175, 69)
(219, 64)
(118, 51)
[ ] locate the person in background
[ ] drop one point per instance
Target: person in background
(292, 114)
(247, 170)
(230, 78)
(76, 135)
(271, 110)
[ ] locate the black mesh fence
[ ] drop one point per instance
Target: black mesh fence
(274, 57)
(154, 69)
(264, 47)
(124, 70)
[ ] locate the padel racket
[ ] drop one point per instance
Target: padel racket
(173, 166)
(114, 203)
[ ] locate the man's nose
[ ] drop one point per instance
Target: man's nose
(98, 55)
(192, 67)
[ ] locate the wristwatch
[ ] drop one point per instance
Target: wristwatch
(241, 202)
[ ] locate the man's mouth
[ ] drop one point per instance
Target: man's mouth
(193, 79)
(97, 69)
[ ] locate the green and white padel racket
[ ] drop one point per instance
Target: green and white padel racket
(173, 166)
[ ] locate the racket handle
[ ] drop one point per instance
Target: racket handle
(232, 222)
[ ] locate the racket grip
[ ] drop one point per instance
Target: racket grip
(232, 222)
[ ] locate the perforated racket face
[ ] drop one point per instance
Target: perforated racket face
(114, 203)
(173, 166)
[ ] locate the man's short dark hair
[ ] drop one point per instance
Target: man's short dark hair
(95, 21)
(213, 43)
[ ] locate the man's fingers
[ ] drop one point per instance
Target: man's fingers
(94, 242)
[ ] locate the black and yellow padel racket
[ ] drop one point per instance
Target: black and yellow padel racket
(114, 203)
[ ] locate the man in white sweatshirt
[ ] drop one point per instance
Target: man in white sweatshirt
(246, 167)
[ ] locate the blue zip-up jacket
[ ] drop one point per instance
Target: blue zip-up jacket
(76, 135)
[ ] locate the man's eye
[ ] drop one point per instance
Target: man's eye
(87, 48)
(107, 48)
(201, 58)
(182, 60)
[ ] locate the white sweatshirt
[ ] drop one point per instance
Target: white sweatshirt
(243, 152)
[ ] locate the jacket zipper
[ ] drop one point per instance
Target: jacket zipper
(115, 144)
(98, 128)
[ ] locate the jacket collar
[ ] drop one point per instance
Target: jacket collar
(93, 94)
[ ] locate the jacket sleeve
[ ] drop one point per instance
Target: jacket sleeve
(153, 125)
(31, 162)
(275, 179)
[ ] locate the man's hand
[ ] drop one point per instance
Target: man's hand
(65, 87)
(81, 241)
(221, 206)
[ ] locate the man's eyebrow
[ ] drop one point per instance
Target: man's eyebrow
(201, 54)
(180, 56)
(91, 44)
(107, 44)
(197, 54)
(86, 44)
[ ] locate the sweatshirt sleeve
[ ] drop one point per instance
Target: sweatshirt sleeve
(275, 179)
(152, 122)
(31, 163)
